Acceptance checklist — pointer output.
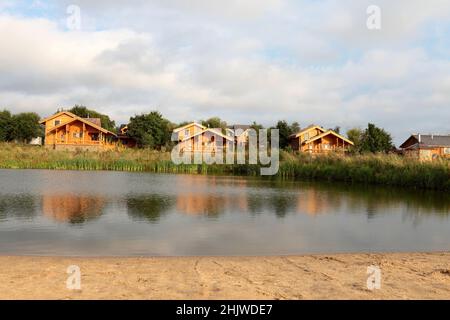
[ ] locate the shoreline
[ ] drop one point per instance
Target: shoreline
(368, 169)
(321, 276)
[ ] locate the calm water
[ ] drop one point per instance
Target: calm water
(114, 213)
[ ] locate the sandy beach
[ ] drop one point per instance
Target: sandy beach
(344, 276)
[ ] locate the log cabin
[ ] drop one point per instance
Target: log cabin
(315, 140)
(65, 130)
(427, 147)
(195, 137)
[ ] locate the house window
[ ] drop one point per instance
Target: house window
(186, 132)
(94, 137)
(78, 135)
(57, 122)
(447, 150)
(306, 136)
(326, 146)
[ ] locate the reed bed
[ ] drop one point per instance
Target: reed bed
(389, 170)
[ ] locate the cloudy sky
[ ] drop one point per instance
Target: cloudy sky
(309, 61)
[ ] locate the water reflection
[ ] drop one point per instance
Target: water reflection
(17, 206)
(50, 212)
(148, 208)
(71, 208)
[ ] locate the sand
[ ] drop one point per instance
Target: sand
(403, 276)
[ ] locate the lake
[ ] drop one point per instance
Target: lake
(71, 213)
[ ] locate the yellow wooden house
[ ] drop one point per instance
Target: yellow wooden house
(315, 139)
(65, 130)
(195, 137)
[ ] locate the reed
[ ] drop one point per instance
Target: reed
(389, 170)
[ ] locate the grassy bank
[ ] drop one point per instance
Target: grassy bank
(370, 169)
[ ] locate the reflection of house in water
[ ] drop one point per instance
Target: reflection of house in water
(208, 202)
(313, 201)
(71, 208)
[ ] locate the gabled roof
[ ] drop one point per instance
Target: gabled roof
(189, 125)
(309, 128)
(70, 114)
(428, 140)
(75, 117)
(209, 130)
(326, 133)
(93, 125)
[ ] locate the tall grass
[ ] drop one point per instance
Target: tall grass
(367, 169)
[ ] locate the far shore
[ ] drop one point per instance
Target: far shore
(336, 276)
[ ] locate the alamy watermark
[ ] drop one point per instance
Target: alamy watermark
(374, 278)
(73, 282)
(374, 17)
(73, 21)
(216, 148)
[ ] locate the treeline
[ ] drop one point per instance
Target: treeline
(152, 130)
(21, 127)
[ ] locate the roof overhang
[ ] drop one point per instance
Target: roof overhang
(326, 133)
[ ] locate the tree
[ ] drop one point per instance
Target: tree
(355, 135)
(5, 126)
(286, 130)
(25, 126)
(84, 112)
(150, 130)
(256, 126)
(376, 139)
(214, 123)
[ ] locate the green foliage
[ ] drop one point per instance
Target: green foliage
(150, 130)
(381, 169)
(286, 130)
(214, 122)
(5, 126)
(355, 135)
(375, 140)
(256, 126)
(84, 112)
(22, 127)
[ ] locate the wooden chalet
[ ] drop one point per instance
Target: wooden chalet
(315, 139)
(195, 137)
(427, 147)
(65, 130)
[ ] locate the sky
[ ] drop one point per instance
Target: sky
(310, 61)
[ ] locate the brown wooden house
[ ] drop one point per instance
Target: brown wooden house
(65, 130)
(427, 147)
(315, 139)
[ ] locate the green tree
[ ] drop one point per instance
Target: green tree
(214, 122)
(376, 139)
(355, 135)
(286, 130)
(256, 126)
(25, 126)
(5, 126)
(84, 112)
(150, 130)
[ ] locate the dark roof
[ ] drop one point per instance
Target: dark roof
(430, 140)
(96, 121)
